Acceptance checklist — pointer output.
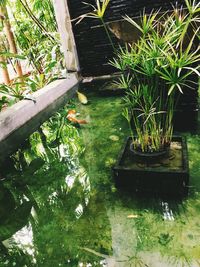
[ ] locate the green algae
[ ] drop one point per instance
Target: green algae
(59, 205)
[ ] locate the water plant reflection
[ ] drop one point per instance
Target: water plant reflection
(47, 172)
(76, 205)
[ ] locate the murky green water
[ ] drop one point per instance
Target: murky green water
(59, 205)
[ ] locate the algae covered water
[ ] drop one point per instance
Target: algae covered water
(59, 205)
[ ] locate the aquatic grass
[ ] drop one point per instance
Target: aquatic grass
(127, 116)
(147, 120)
(146, 24)
(98, 10)
(155, 70)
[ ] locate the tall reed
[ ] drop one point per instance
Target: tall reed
(155, 70)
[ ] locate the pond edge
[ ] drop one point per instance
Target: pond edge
(23, 118)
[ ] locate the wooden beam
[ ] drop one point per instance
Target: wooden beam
(23, 118)
(66, 34)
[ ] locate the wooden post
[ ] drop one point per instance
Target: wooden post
(66, 34)
(10, 38)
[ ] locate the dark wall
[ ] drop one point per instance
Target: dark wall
(94, 49)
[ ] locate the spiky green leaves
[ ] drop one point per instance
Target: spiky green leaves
(98, 10)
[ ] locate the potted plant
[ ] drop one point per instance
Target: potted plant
(155, 71)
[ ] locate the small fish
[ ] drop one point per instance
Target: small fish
(82, 98)
(71, 116)
(72, 111)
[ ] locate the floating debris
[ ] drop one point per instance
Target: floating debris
(114, 138)
(82, 98)
(109, 261)
(177, 145)
(171, 156)
(132, 216)
(109, 162)
(167, 212)
(141, 165)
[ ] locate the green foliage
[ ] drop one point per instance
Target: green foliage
(98, 10)
(155, 70)
(35, 29)
(3, 2)
(36, 32)
(98, 13)
(47, 171)
(148, 22)
(22, 90)
(11, 55)
(3, 102)
(15, 91)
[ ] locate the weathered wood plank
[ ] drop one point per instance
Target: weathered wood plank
(23, 118)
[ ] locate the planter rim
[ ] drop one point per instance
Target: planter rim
(164, 181)
(175, 138)
(149, 155)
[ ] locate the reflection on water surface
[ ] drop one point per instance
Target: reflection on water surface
(59, 205)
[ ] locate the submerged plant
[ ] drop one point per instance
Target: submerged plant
(155, 71)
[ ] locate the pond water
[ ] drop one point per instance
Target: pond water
(59, 205)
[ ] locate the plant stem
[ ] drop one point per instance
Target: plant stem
(108, 34)
(37, 22)
(11, 40)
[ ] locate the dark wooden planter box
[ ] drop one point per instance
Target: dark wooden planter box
(166, 176)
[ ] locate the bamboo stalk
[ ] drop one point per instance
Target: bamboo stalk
(10, 38)
(3, 63)
(4, 71)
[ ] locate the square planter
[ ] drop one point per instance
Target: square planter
(165, 176)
